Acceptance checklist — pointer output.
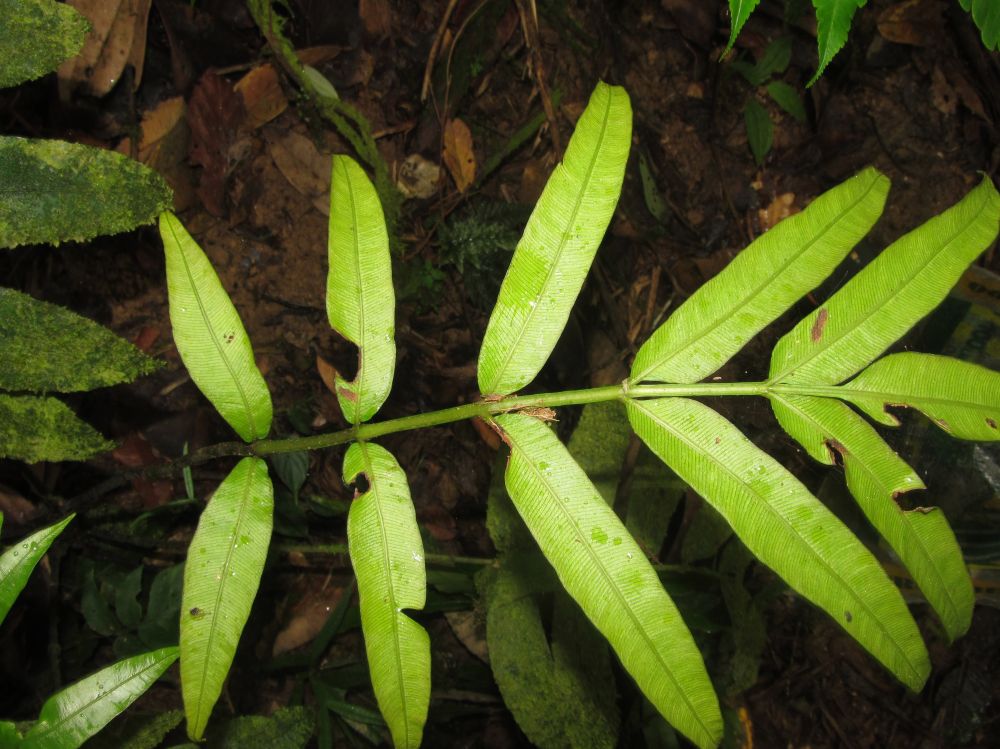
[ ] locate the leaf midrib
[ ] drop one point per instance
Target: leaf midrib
(211, 335)
(582, 541)
(765, 284)
(725, 469)
(564, 237)
(359, 380)
(887, 492)
(832, 341)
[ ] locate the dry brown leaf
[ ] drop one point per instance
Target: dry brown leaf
(914, 22)
(215, 112)
(327, 373)
(943, 96)
(780, 208)
(262, 96)
(301, 163)
(376, 17)
(117, 38)
(458, 155)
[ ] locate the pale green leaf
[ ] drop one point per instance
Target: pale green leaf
(360, 301)
(554, 254)
(20, 559)
(960, 397)
(833, 21)
(760, 131)
(33, 429)
(786, 528)
(787, 98)
(35, 36)
(902, 285)
(986, 15)
(388, 559)
(603, 569)
(52, 192)
(761, 283)
(70, 717)
(876, 476)
(739, 12)
(49, 348)
(210, 336)
(224, 564)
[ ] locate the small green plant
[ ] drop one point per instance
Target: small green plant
(823, 364)
(834, 17)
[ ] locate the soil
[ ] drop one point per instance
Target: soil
(913, 93)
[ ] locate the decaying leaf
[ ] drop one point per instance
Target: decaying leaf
(117, 38)
(215, 113)
(263, 98)
(458, 155)
(418, 177)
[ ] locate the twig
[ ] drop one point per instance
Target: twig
(435, 48)
(529, 26)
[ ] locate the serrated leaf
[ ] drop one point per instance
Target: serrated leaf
(603, 569)
(388, 559)
(960, 397)
(35, 36)
(761, 283)
(760, 131)
(986, 15)
(33, 429)
(876, 476)
(210, 336)
(787, 98)
(19, 560)
(52, 192)
(360, 302)
(71, 716)
(833, 21)
(739, 12)
(49, 348)
(558, 245)
(223, 570)
(902, 285)
(786, 528)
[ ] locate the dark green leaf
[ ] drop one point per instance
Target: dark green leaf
(33, 429)
(651, 191)
(161, 625)
(35, 36)
(52, 192)
(760, 131)
(292, 469)
(787, 98)
(986, 14)
(127, 606)
(48, 348)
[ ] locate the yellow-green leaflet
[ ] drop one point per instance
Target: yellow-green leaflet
(224, 563)
(360, 301)
(876, 476)
(388, 559)
(606, 572)
(960, 397)
(786, 528)
(763, 281)
(558, 246)
(73, 715)
(210, 336)
(895, 290)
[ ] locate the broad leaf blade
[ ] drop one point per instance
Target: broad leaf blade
(79, 711)
(960, 397)
(833, 22)
(739, 12)
(904, 283)
(33, 429)
(360, 301)
(210, 336)
(19, 560)
(49, 348)
(35, 36)
(558, 246)
(761, 283)
(986, 14)
(53, 192)
(785, 527)
(876, 476)
(388, 559)
(223, 569)
(603, 569)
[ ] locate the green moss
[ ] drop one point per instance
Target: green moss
(34, 429)
(35, 37)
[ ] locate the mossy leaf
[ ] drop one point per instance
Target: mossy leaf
(34, 429)
(48, 348)
(35, 36)
(52, 191)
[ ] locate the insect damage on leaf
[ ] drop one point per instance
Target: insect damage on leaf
(819, 326)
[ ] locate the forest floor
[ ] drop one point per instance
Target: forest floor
(446, 88)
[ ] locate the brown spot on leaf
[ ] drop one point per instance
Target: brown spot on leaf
(848, 616)
(817, 329)
(347, 394)
(837, 451)
(991, 423)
